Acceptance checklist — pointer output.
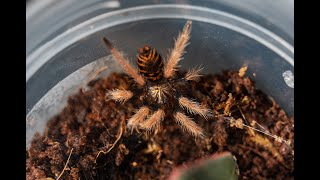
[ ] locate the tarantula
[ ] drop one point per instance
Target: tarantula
(158, 87)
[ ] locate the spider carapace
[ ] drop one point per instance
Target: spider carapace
(150, 63)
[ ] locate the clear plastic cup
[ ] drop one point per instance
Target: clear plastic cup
(64, 47)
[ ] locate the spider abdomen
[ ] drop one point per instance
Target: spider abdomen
(150, 63)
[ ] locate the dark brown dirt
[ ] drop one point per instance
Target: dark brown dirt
(90, 124)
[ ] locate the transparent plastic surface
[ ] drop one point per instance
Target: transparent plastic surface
(64, 58)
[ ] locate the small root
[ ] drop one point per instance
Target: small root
(115, 142)
(264, 142)
(65, 166)
(259, 154)
(94, 76)
(99, 71)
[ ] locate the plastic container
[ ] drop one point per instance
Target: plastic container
(64, 46)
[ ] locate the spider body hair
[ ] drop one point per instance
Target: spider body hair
(162, 91)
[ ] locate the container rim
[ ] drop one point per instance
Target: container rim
(40, 56)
